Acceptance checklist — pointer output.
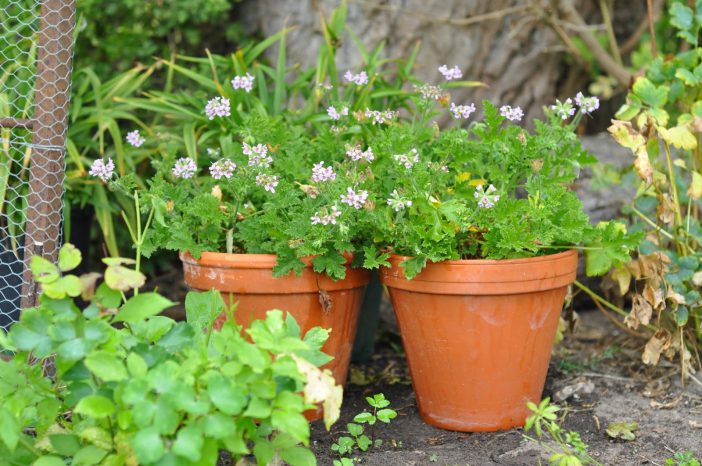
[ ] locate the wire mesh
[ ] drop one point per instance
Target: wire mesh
(36, 47)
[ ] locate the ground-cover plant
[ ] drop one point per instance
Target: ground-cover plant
(358, 437)
(661, 124)
(115, 383)
(570, 449)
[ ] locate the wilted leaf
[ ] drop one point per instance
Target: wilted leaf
(43, 270)
(121, 278)
(643, 165)
(697, 278)
(675, 298)
(679, 136)
(89, 280)
(695, 190)
(641, 312)
(654, 296)
(659, 342)
(320, 387)
(624, 133)
(117, 261)
(622, 430)
(622, 275)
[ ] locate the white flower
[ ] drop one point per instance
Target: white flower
(587, 104)
(512, 114)
(243, 82)
(135, 139)
(355, 199)
(450, 73)
(408, 160)
(223, 168)
(565, 109)
(102, 170)
(258, 155)
(184, 167)
(359, 79)
(462, 111)
(486, 198)
(397, 202)
(355, 153)
(326, 217)
(217, 107)
(269, 182)
(321, 173)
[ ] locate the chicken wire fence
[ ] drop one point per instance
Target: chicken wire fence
(36, 50)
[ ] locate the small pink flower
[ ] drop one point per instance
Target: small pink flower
(359, 79)
(258, 155)
(320, 173)
(462, 111)
(184, 167)
(243, 82)
(354, 199)
(269, 182)
(512, 114)
(102, 170)
(217, 107)
(135, 139)
(450, 73)
(223, 168)
(326, 217)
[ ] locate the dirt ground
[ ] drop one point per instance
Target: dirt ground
(622, 390)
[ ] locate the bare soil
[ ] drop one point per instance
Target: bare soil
(623, 390)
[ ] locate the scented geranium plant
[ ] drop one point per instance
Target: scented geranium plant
(489, 190)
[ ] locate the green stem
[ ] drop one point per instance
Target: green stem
(600, 299)
(611, 38)
(651, 222)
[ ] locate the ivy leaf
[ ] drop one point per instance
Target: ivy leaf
(69, 257)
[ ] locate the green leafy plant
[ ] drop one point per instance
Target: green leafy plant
(661, 124)
(546, 424)
(115, 383)
(346, 445)
(682, 459)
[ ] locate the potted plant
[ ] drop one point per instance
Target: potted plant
(479, 233)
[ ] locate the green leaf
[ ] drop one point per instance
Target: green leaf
(31, 333)
(69, 258)
(202, 308)
(89, 456)
(9, 429)
(258, 408)
(679, 136)
(70, 285)
(622, 430)
(148, 446)
(142, 306)
(136, 365)
(291, 423)
(49, 461)
(219, 426)
(681, 16)
(649, 93)
(65, 444)
(106, 366)
(96, 406)
(363, 442)
(177, 338)
(228, 398)
(386, 415)
(43, 270)
(188, 443)
(354, 429)
(298, 456)
(681, 316)
(122, 278)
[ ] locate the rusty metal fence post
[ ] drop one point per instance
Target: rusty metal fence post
(33, 135)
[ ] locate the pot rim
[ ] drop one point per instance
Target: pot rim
(246, 260)
(548, 257)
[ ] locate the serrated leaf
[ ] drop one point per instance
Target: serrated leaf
(106, 366)
(70, 285)
(650, 94)
(679, 136)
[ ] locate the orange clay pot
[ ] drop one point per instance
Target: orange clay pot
(248, 279)
(478, 335)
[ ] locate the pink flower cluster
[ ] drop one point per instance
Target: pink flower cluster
(243, 82)
(450, 73)
(587, 104)
(102, 170)
(462, 111)
(184, 167)
(320, 173)
(486, 198)
(355, 153)
(355, 199)
(334, 114)
(359, 79)
(512, 114)
(217, 107)
(223, 168)
(429, 92)
(408, 160)
(269, 182)
(379, 117)
(258, 155)
(397, 202)
(135, 139)
(326, 217)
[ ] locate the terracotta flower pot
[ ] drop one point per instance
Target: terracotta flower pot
(478, 335)
(313, 299)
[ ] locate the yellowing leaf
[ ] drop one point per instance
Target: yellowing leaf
(622, 276)
(695, 190)
(121, 278)
(69, 257)
(625, 134)
(622, 430)
(679, 136)
(643, 164)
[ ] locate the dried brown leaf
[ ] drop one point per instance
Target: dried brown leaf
(659, 342)
(641, 312)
